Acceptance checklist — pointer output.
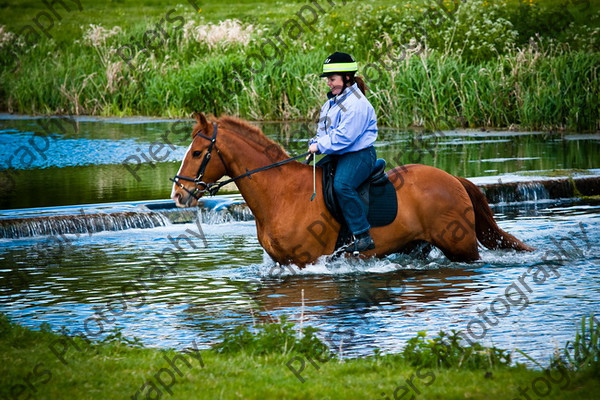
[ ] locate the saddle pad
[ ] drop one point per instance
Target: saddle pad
(383, 205)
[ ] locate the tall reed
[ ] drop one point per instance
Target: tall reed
(511, 81)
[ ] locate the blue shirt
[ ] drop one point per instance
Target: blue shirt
(347, 123)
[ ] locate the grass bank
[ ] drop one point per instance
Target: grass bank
(528, 64)
(248, 365)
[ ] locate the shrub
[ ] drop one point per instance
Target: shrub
(273, 338)
(583, 353)
(447, 351)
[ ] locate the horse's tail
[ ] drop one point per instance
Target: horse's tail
(488, 232)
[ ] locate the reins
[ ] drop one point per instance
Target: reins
(213, 188)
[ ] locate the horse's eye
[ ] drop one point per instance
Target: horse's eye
(196, 154)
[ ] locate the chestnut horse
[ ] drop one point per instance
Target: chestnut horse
(433, 206)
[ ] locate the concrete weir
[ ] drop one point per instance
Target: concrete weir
(562, 188)
(87, 219)
(53, 225)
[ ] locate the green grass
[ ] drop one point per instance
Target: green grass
(115, 369)
(127, 13)
(479, 69)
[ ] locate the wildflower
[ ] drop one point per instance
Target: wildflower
(6, 37)
(97, 35)
(229, 31)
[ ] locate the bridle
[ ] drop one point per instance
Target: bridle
(202, 186)
(213, 188)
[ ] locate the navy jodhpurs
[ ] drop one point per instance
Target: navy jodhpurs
(352, 170)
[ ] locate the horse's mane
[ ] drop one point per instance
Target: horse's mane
(249, 131)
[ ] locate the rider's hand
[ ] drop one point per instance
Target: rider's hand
(313, 148)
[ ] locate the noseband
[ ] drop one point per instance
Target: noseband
(202, 186)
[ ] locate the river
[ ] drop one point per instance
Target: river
(128, 272)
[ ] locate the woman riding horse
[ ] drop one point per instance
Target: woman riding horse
(346, 131)
(446, 211)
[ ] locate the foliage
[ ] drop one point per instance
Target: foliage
(473, 29)
(447, 351)
(555, 20)
(478, 32)
(583, 353)
(531, 64)
(280, 337)
(18, 336)
(116, 337)
(103, 371)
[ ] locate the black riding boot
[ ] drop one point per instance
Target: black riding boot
(362, 242)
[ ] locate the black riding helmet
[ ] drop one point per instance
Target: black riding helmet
(338, 63)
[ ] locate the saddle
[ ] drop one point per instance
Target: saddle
(377, 194)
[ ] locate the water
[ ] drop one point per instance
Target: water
(223, 279)
(138, 280)
(58, 161)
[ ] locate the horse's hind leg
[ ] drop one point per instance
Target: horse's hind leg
(458, 247)
(464, 256)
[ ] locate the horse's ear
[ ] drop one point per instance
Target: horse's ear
(202, 123)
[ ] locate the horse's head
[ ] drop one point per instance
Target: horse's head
(201, 165)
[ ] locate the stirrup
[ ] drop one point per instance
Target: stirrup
(355, 252)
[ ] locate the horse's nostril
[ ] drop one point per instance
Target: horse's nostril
(177, 198)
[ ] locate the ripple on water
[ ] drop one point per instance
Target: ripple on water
(362, 304)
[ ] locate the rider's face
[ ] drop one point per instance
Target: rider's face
(335, 83)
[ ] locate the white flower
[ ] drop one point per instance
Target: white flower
(96, 35)
(229, 31)
(6, 37)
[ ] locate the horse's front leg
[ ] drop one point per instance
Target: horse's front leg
(301, 242)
